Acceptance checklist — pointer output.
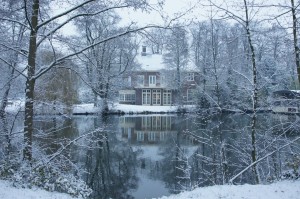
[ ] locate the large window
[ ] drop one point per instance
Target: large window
(167, 94)
(146, 96)
(152, 80)
(156, 97)
(127, 96)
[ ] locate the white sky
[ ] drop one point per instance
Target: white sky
(173, 8)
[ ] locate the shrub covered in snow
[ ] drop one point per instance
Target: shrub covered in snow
(294, 165)
(50, 179)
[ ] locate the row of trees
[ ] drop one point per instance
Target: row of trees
(242, 62)
(47, 65)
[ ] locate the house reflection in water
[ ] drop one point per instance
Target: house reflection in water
(150, 129)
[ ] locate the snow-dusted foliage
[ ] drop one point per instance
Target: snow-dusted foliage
(50, 179)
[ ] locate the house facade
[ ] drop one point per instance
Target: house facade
(155, 85)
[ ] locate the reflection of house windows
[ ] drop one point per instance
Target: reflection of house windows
(127, 96)
(146, 123)
(140, 80)
(166, 123)
(151, 136)
(146, 96)
(156, 123)
(152, 80)
(191, 95)
(162, 136)
(190, 77)
(140, 136)
(167, 97)
(156, 96)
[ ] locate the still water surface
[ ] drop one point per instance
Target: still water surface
(155, 155)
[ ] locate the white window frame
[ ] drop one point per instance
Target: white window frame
(146, 97)
(152, 80)
(156, 97)
(167, 97)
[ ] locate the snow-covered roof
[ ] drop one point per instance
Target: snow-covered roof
(151, 62)
(155, 62)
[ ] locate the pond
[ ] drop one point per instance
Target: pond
(154, 155)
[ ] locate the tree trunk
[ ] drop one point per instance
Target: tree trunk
(297, 51)
(254, 97)
(30, 83)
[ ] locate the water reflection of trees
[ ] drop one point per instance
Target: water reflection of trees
(110, 166)
(194, 150)
(225, 148)
(105, 164)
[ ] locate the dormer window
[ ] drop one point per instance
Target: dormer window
(152, 80)
(190, 77)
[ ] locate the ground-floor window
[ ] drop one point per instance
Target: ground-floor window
(146, 96)
(167, 97)
(127, 96)
(156, 96)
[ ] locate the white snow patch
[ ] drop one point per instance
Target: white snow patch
(152, 62)
(14, 106)
(7, 191)
(279, 190)
(139, 108)
(85, 108)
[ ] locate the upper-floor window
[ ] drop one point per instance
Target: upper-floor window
(152, 80)
(162, 80)
(190, 77)
(140, 80)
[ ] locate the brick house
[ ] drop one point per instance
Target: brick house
(154, 84)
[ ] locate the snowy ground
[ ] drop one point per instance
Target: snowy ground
(9, 192)
(280, 190)
(89, 108)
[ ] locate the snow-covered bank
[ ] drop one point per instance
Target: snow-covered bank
(279, 190)
(7, 191)
(129, 109)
